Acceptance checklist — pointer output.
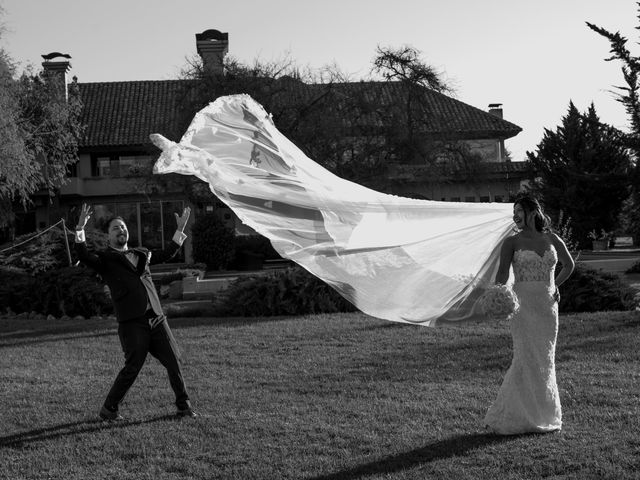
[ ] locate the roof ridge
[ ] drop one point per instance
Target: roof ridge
(137, 81)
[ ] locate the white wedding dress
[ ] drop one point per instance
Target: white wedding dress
(528, 399)
(395, 258)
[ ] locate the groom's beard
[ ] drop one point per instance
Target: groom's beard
(121, 241)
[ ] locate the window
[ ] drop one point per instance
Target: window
(119, 165)
(151, 225)
(484, 198)
(101, 167)
(470, 199)
(455, 199)
(72, 170)
(498, 198)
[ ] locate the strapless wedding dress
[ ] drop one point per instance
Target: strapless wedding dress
(528, 400)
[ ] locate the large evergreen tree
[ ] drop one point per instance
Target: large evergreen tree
(582, 169)
(629, 96)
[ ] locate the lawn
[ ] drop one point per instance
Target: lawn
(340, 396)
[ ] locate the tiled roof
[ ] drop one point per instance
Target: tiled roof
(446, 115)
(125, 113)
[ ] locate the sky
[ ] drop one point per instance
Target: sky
(533, 57)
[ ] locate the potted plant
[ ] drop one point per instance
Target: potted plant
(600, 241)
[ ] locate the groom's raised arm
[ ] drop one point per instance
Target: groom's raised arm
(90, 259)
(178, 239)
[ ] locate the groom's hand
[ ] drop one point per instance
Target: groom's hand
(85, 215)
(182, 220)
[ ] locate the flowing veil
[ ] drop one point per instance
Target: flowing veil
(400, 259)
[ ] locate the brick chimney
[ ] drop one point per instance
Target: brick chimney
(56, 71)
(495, 109)
(212, 46)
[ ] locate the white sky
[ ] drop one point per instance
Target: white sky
(533, 56)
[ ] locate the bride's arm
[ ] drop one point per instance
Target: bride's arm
(565, 258)
(506, 255)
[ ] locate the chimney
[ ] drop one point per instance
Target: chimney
(212, 46)
(495, 109)
(56, 71)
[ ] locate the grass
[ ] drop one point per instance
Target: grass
(320, 397)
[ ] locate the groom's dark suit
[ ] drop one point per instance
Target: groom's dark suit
(130, 285)
(142, 326)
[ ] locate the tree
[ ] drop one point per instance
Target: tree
(40, 130)
(19, 171)
(409, 120)
(629, 96)
(582, 169)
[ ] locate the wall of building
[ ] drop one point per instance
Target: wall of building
(487, 191)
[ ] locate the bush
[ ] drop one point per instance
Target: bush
(63, 291)
(213, 242)
(72, 291)
(16, 289)
(589, 290)
(292, 291)
(37, 277)
(40, 254)
(48, 251)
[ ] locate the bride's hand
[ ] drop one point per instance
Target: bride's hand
(556, 295)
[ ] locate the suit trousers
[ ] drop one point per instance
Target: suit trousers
(138, 339)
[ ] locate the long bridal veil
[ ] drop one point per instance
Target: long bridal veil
(400, 259)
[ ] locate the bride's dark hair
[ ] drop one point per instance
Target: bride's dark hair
(531, 204)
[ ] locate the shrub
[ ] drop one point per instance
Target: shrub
(292, 291)
(63, 291)
(48, 251)
(589, 290)
(72, 291)
(37, 277)
(42, 253)
(16, 289)
(213, 242)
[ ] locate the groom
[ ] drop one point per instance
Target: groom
(142, 326)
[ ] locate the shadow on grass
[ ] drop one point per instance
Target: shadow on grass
(450, 447)
(189, 322)
(43, 331)
(35, 337)
(19, 440)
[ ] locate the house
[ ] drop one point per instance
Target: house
(115, 153)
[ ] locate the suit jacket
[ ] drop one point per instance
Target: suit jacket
(132, 289)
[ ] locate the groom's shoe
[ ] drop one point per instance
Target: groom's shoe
(106, 414)
(186, 412)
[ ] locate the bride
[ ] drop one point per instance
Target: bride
(528, 399)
